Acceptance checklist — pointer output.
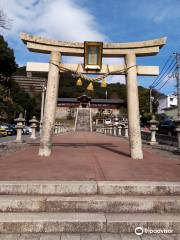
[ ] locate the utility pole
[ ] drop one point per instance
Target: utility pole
(177, 120)
(178, 84)
(150, 100)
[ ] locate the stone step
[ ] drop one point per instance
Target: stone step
(83, 123)
(138, 188)
(122, 223)
(52, 222)
(87, 222)
(94, 203)
(69, 188)
(88, 236)
(48, 187)
(83, 120)
(82, 126)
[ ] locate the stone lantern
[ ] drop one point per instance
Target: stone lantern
(177, 123)
(153, 129)
(19, 126)
(34, 123)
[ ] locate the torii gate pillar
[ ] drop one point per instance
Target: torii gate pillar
(133, 108)
(50, 105)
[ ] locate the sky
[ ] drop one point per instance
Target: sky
(96, 20)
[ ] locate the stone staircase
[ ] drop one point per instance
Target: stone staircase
(109, 209)
(83, 119)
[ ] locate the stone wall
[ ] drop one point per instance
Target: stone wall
(63, 112)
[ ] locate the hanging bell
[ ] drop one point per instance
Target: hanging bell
(90, 87)
(103, 83)
(79, 82)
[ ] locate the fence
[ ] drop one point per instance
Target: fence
(161, 138)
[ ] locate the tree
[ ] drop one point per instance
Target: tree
(4, 21)
(13, 99)
(7, 60)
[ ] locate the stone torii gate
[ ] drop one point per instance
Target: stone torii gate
(129, 51)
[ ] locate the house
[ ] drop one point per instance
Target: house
(166, 102)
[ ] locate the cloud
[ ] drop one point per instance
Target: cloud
(60, 19)
(65, 20)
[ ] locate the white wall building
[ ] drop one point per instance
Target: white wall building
(167, 102)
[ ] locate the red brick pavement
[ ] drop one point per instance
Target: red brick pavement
(89, 156)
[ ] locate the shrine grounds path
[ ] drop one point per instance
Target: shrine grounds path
(89, 156)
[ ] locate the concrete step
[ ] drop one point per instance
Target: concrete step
(93, 203)
(52, 222)
(122, 223)
(88, 236)
(134, 188)
(83, 120)
(87, 222)
(69, 188)
(48, 187)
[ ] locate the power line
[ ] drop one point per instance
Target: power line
(166, 73)
(164, 84)
(169, 77)
(172, 71)
(156, 79)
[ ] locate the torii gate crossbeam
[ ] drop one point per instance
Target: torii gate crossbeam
(129, 51)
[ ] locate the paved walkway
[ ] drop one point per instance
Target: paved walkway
(89, 156)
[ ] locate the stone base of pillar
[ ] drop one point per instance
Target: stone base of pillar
(136, 154)
(44, 151)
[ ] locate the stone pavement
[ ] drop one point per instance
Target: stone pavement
(88, 236)
(89, 156)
